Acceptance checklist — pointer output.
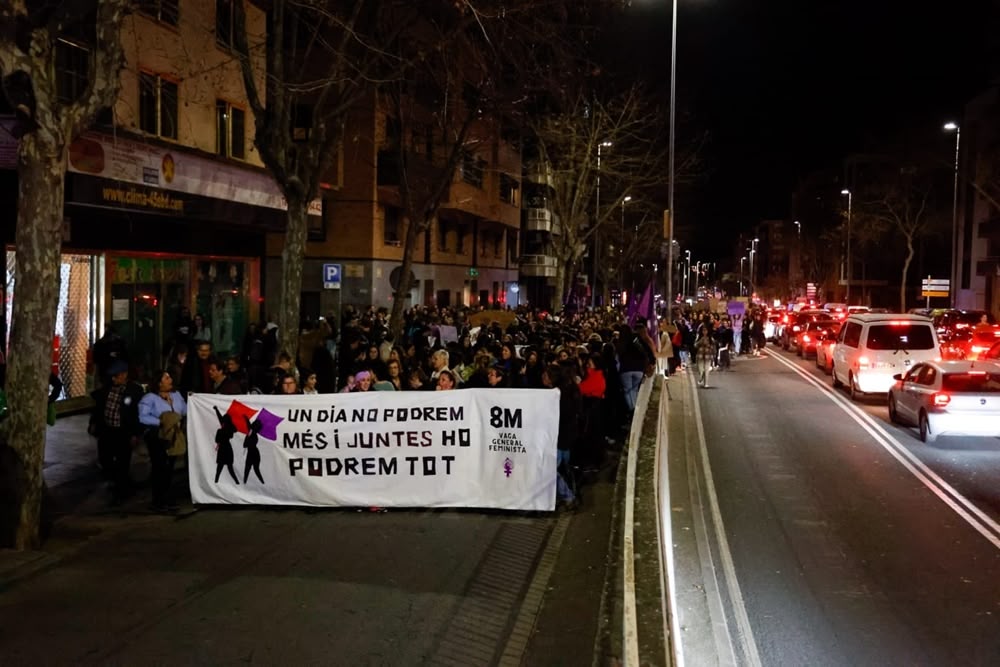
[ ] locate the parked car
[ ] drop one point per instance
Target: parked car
(824, 348)
(992, 353)
(872, 348)
(948, 398)
(811, 334)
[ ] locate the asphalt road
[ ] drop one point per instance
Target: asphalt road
(819, 534)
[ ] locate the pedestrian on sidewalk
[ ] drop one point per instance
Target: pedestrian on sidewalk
(705, 350)
(115, 423)
(161, 399)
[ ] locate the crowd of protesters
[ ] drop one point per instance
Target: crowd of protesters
(594, 358)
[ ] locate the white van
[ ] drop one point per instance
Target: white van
(872, 347)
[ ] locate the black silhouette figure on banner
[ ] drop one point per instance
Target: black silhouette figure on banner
(224, 456)
(253, 454)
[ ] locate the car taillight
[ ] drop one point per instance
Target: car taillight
(863, 362)
(805, 338)
(941, 400)
(796, 327)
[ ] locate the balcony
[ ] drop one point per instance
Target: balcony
(538, 266)
(538, 220)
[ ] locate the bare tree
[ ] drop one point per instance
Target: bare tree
(318, 60)
(626, 128)
(901, 202)
(483, 66)
(28, 48)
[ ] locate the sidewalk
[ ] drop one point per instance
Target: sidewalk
(122, 584)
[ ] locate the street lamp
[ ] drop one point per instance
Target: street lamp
(953, 285)
(670, 143)
(798, 229)
(850, 197)
(753, 266)
(621, 246)
(597, 225)
(687, 274)
(742, 259)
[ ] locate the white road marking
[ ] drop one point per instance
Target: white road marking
(666, 531)
(745, 632)
(962, 506)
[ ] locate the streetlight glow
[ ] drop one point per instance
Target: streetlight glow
(953, 284)
(850, 199)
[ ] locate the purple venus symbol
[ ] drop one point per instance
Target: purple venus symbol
(508, 467)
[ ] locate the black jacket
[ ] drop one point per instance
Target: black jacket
(129, 409)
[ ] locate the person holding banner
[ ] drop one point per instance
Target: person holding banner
(570, 409)
(161, 399)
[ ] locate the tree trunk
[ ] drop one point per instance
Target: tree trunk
(292, 259)
(906, 270)
(413, 232)
(39, 239)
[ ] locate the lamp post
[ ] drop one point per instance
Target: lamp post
(621, 245)
(597, 230)
(753, 266)
(742, 259)
(670, 144)
(953, 284)
(687, 274)
(850, 197)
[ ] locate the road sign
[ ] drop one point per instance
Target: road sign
(935, 287)
(331, 276)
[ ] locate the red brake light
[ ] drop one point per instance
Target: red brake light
(805, 338)
(941, 400)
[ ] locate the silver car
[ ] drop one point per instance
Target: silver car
(948, 398)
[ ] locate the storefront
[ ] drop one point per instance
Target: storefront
(141, 296)
(151, 230)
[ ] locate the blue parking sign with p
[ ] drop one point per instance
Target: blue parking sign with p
(331, 276)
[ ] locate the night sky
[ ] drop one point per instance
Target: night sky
(786, 87)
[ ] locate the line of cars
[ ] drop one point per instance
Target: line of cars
(901, 356)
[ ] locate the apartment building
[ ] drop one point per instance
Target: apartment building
(976, 276)
(468, 256)
(167, 204)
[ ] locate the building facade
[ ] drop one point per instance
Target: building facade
(167, 204)
(976, 276)
(468, 256)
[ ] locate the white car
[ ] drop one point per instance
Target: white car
(948, 398)
(872, 348)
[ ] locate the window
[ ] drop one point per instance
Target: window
(460, 244)
(472, 169)
(497, 244)
(511, 246)
(301, 122)
(72, 70)
(230, 130)
(852, 334)
(442, 236)
(224, 23)
(390, 226)
(157, 105)
(900, 337)
(508, 189)
(393, 132)
(167, 11)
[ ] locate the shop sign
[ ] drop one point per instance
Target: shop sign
(331, 276)
(177, 171)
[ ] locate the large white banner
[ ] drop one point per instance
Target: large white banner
(466, 448)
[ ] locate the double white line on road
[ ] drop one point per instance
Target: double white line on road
(962, 506)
